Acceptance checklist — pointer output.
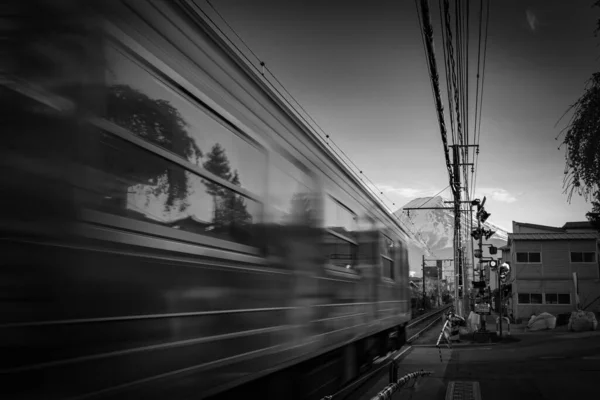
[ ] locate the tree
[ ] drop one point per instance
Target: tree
(302, 209)
(582, 141)
(233, 211)
(217, 163)
(230, 208)
(157, 121)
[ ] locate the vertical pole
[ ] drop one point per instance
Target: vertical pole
(482, 278)
(500, 297)
(440, 269)
(423, 281)
(457, 260)
(472, 241)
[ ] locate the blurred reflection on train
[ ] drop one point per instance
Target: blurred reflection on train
(169, 229)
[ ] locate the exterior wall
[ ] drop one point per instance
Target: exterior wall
(554, 274)
(542, 287)
(589, 294)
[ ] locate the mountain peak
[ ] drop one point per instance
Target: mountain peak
(436, 201)
(437, 226)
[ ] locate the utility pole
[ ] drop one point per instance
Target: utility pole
(423, 281)
(500, 298)
(458, 256)
(457, 266)
(439, 296)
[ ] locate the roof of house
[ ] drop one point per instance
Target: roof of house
(536, 226)
(552, 236)
(578, 225)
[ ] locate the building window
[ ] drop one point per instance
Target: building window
(529, 258)
(387, 257)
(583, 257)
(558, 298)
(529, 298)
(340, 239)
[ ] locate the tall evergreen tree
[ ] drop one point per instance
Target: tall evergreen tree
(582, 140)
(229, 208)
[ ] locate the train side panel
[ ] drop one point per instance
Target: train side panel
(160, 263)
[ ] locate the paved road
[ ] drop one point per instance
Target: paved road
(544, 365)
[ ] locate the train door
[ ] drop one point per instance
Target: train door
(293, 244)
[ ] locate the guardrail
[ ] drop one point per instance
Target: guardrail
(397, 384)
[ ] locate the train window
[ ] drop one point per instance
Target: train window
(340, 239)
(387, 247)
(149, 106)
(342, 253)
(387, 268)
(339, 218)
(136, 183)
(290, 196)
(387, 257)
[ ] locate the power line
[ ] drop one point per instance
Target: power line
(433, 74)
(487, 24)
(327, 139)
(475, 139)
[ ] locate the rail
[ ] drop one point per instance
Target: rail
(424, 317)
(432, 315)
(391, 359)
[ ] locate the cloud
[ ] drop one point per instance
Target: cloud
(497, 194)
(407, 192)
(532, 20)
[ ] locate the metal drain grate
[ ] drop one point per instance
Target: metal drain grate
(461, 390)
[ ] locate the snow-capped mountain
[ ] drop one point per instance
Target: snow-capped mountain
(436, 227)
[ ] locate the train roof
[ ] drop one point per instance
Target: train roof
(238, 57)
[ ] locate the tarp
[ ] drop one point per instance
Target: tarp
(582, 321)
(541, 322)
(473, 322)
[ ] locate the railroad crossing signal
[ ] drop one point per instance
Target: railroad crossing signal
(504, 272)
(493, 265)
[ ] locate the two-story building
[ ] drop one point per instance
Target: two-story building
(543, 260)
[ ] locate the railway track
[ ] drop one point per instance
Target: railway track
(413, 331)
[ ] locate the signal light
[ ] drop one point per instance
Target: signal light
(493, 249)
(493, 264)
(476, 233)
(483, 215)
(489, 234)
(504, 272)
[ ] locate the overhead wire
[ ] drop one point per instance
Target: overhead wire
(327, 140)
(477, 94)
(487, 24)
(434, 77)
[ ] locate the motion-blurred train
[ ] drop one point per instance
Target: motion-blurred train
(171, 229)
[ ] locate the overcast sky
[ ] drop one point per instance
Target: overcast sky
(359, 69)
